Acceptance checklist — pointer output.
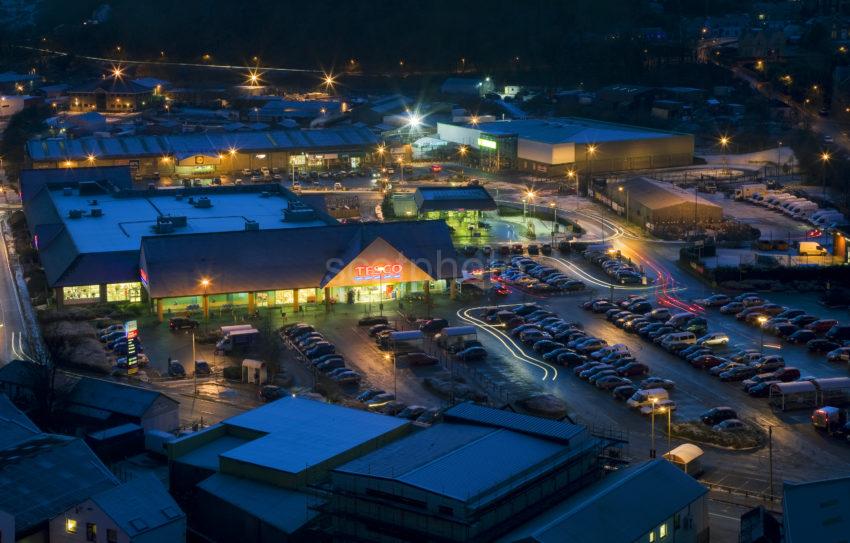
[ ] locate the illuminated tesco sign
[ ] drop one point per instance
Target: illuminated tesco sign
(489, 144)
(372, 273)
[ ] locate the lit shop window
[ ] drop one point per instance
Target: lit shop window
(124, 292)
(88, 293)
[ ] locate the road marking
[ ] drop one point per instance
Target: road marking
(515, 351)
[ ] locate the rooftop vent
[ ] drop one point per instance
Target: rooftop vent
(75, 213)
(251, 225)
(203, 203)
(163, 226)
(96, 212)
(179, 221)
(67, 191)
(298, 212)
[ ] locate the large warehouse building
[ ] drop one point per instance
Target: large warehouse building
(200, 248)
(206, 155)
(554, 147)
(651, 203)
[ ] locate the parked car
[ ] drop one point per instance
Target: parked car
(717, 415)
(433, 326)
(633, 369)
(182, 323)
(715, 300)
(372, 320)
(821, 326)
(624, 392)
(176, 369)
(472, 353)
(657, 382)
(659, 408)
(730, 425)
(376, 329)
(270, 393)
(821, 345)
(417, 359)
(714, 339)
(802, 336)
(368, 394)
(732, 308)
(202, 367)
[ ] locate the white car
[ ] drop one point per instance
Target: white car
(661, 407)
(713, 339)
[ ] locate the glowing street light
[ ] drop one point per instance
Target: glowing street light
(413, 119)
(206, 282)
(253, 78)
(761, 320)
(329, 81)
(824, 159)
(90, 158)
(117, 72)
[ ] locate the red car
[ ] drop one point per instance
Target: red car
(707, 361)
(632, 369)
(822, 325)
(436, 168)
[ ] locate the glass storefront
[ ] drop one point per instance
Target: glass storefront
(81, 295)
(124, 292)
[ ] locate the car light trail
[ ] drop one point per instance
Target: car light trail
(507, 341)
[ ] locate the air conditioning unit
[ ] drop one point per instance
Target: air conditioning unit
(203, 203)
(163, 227)
(96, 212)
(251, 225)
(75, 213)
(179, 221)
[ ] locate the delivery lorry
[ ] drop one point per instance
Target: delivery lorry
(746, 191)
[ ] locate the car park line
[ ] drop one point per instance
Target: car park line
(516, 351)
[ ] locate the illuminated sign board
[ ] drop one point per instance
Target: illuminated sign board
(143, 275)
(377, 272)
(131, 330)
(489, 144)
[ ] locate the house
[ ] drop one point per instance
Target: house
(651, 502)
(138, 511)
(41, 476)
(95, 404)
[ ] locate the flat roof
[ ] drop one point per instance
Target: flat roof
(304, 433)
(656, 194)
(287, 510)
(453, 198)
(55, 149)
(207, 456)
(570, 130)
(127, 217)
(817, 510)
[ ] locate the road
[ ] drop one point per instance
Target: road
(14, 336)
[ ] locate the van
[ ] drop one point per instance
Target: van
(688, 338)
(647, 397)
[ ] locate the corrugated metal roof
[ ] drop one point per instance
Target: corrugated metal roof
(139, 505)
(14, 425)
(551, 429)
(113, 396)
(204, 144)
(286, 510)
(623, 507)
(657, 195)
(304, 263)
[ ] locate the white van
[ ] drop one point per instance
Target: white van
(646, 397)
(679, 337)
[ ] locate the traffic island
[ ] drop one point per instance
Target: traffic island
(745, 439)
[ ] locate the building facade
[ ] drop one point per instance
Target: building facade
(209, 155)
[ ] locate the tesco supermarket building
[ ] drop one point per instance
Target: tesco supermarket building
(205, 248)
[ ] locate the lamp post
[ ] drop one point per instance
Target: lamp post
(589, 153)
(462, 150)
(524, 204)
(652, 446)
(381, 149)
(761, 320)
(824, 158)
(205, 282)
(194, 364)
(724, 143)
(554, 207)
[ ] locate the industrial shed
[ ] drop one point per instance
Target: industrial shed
(652, 203)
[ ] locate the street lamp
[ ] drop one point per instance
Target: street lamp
(824, 158)
(205, 282)
(381, 149)
(462, 150)
(529, 196)
(654, 400)
(554, 207)
(761, 320)
(724, 143)
(669, 415)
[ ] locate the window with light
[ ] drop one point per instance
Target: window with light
(70, 525)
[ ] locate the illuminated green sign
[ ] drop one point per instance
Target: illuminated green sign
(486, 143)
